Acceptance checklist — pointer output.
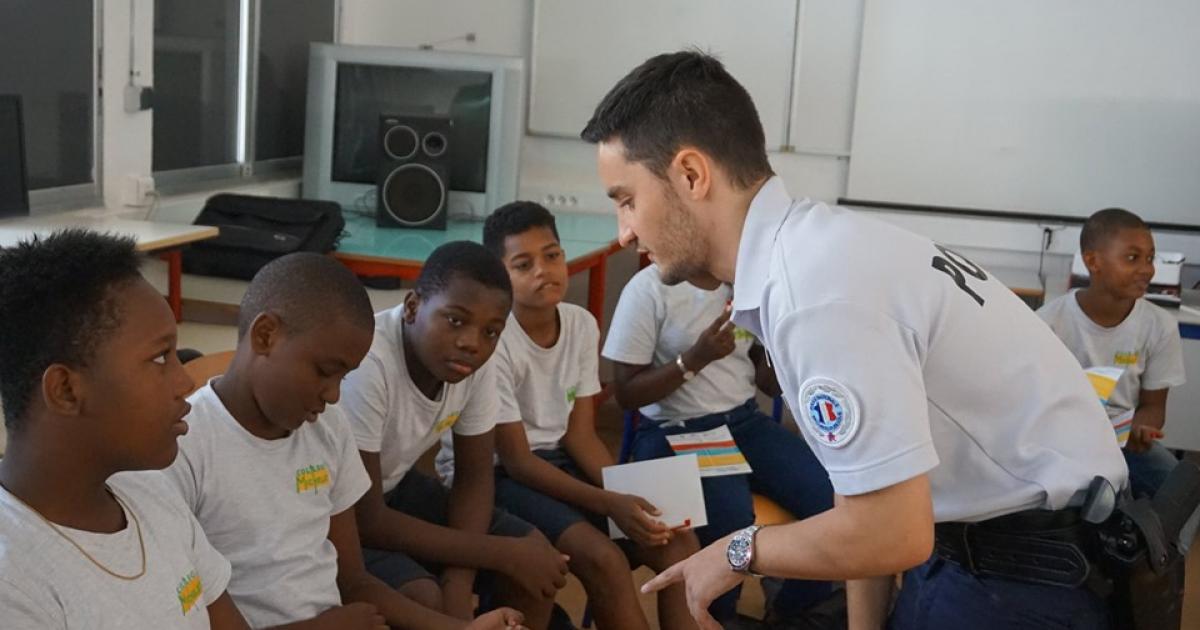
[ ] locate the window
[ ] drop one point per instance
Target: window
(285, 29)
(230, 84)
(195, 83)
(49, 52)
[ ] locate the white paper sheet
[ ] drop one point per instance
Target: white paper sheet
(671, 484)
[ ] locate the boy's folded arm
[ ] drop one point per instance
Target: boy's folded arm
(381, 527)
(1151, 408)
(636, 386)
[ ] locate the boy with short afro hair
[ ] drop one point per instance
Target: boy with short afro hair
(271, 468)
(427, 377)
(92, 391)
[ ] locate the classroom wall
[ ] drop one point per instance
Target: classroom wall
(827, 67)
(557, 169)
(126, 137)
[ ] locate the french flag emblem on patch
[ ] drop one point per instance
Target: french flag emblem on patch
(831, 409)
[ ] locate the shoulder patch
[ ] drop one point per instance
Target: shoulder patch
(830, 410)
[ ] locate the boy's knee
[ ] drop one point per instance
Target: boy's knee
(593, 555)
(600, 560)
(425, 592)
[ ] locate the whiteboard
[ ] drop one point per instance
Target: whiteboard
(581, 48)
(1062, 107)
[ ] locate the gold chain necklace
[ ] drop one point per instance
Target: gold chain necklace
(136, 524)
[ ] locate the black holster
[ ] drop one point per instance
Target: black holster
(1142, 565)
(1129, 558)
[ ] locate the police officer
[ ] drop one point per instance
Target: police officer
(931, 394)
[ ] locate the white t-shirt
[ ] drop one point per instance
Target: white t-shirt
(390, 416)
(539, 385)
(901, 357)
(1146, 345)
(45, 582)
(655, 323)
(266, 504)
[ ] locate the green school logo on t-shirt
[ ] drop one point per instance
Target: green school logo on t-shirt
(189, 591)
(571, 395)
(312, 478)
(741, 334)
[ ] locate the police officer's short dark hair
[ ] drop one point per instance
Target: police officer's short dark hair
(1103, 225)
(56, 306)
(683, 98)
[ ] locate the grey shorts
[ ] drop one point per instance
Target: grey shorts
(423, 497)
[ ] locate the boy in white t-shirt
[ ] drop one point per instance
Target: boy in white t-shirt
(271, 468)
(91, 388)
(427, 373)
(550, 456)
(1110, 324)
(680, 360)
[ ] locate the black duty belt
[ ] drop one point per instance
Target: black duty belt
(1039, 546)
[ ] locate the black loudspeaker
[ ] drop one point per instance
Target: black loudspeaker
(414, 171)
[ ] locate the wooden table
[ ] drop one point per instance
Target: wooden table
(368, 250)
(153, 237)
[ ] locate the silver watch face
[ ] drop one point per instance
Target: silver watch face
(738, 552)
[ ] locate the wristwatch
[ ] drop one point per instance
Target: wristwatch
(687, 374)
(740, 552)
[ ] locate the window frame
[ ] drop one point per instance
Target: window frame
(245, 166)
(89, 194)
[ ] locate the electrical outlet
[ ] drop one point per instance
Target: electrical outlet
(139, 190)
(560, 201)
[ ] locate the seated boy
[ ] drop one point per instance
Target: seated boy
(91, 389)
(270, 467)
(678, 358)
(547, 373)
(1109, 324)
(427, 372)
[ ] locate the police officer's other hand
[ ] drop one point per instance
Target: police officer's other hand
(636, 517)
(715, 343)
(1142, 437)
(536, 566)
(499, 619)
(705, 576)
(355, 616)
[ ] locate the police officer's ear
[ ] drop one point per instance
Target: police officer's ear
(691, 173)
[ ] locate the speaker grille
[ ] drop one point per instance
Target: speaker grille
(412, 194)
(400, 142)
(434, 144)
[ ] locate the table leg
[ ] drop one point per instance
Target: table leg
(174, 260)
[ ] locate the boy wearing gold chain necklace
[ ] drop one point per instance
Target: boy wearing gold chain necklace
(92, 391)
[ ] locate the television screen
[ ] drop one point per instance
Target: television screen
(365, 91)
(14, 198)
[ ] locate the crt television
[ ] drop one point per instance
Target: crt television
(350, 87)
